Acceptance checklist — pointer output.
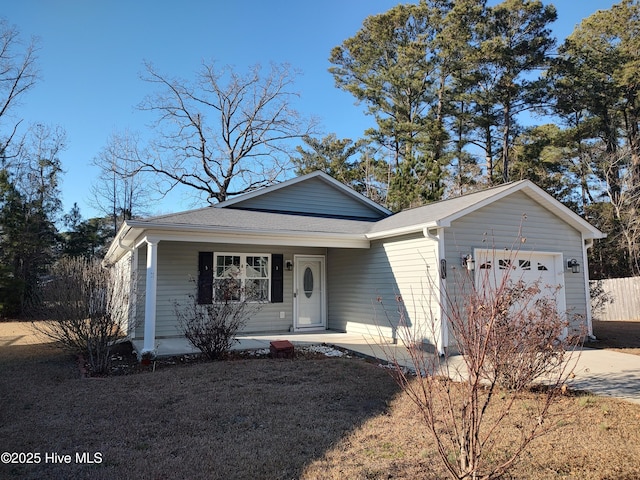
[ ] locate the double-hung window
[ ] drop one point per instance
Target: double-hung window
(242, 277)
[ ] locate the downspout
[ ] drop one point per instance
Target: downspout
(438, 237)
(588, 243)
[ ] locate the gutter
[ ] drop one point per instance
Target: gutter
(121, 245)
(404, 230)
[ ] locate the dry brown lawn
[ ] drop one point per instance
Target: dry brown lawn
(311, 418)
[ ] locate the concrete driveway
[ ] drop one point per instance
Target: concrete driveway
(601, 372)
(609, 373)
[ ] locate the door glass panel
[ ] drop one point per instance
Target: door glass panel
(307, 282)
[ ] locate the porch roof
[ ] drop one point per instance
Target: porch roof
(243, 227)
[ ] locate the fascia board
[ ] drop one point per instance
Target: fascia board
(564, 212)
(252, 238)
(395, 232)
(194, 233)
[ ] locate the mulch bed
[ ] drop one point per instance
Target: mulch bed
(124, 360)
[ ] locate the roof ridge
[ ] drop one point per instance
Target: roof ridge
(468, 194)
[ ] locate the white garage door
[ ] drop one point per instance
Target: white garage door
(530, 267)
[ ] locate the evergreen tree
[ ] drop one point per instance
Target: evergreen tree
(513, 43)
(85, 238)
(352, 163)
(393, 65)
(595, 93)
(26, 247)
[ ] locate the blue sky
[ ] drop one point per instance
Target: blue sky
(92, 55)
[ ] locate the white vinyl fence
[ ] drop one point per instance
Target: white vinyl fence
(621, 300)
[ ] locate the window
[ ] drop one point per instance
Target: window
(524, 264)
(504, 264)
(240, 276)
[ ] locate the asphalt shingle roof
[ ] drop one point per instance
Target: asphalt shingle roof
(239, 221)
(251, 220)
(260, 221)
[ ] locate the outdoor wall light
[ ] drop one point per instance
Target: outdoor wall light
(469, 262)
(443, 269)
(289, 265)
(573, 265)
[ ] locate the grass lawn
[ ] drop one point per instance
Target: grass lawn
(332, 418)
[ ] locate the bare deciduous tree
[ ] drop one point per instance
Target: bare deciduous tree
(86, 308)
(509, 337)
(625, 207)
(226, 133)
(121, 191)
(18, 74)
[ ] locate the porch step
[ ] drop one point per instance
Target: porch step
(281, 349)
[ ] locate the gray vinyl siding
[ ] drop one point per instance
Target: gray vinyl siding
(313, 197)
(359, 279)
(517, 222)
(178, 271)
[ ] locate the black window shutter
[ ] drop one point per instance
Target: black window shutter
(277, 278)
(205, 277)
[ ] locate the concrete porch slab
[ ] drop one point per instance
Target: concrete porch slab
(167, 347)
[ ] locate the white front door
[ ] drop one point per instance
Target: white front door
(309, 292)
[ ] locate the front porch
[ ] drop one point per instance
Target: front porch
(362, 345)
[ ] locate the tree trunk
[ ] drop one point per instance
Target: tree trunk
(505, 142)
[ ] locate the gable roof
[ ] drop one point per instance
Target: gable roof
(442, 213)
(209, 218)
(223, 223)
(263, 199)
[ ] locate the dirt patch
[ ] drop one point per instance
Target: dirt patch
(620, 336)
(20, 333)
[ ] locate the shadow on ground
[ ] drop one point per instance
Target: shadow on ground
(235, 419)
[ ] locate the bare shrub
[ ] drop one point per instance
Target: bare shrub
(525, 334)
(509, 338)
(212, 328)
(85, 308)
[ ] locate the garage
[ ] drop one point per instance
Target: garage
(546, 268)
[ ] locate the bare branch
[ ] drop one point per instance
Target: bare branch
(121, 190)
(508, 337)
(225, 133)
(18, 73)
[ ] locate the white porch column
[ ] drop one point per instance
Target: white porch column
(150, 298)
